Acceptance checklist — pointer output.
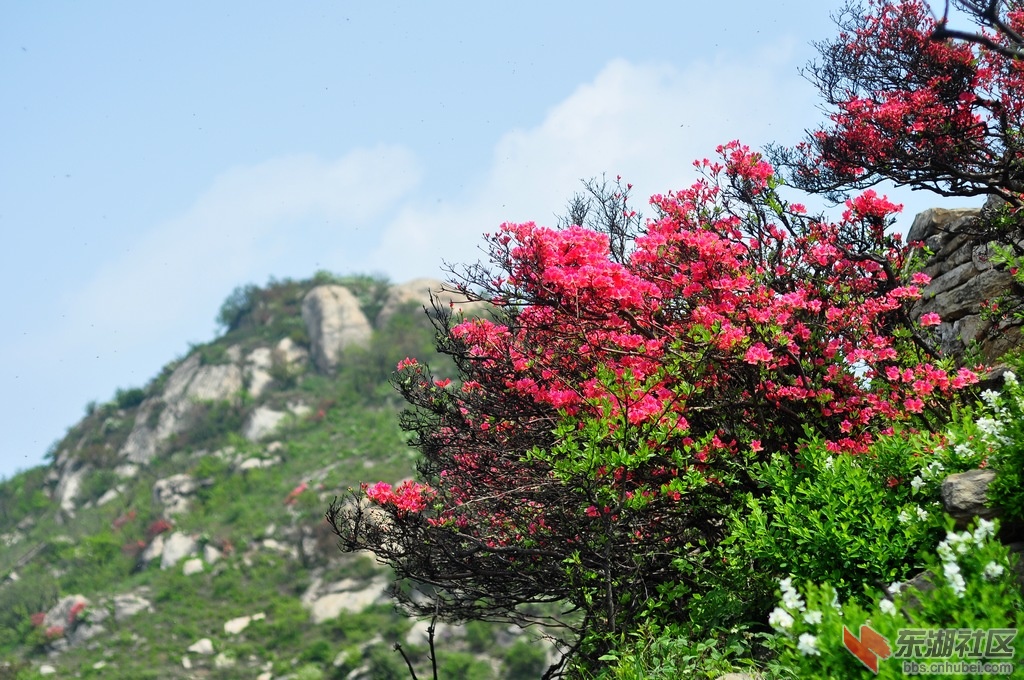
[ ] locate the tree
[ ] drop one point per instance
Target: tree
(604, 421)
(916, 102)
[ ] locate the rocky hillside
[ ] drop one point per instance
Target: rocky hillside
(178, 530)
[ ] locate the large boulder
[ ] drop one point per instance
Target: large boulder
(326, 600)
(965, 495)
(172, 493)
(177, 547)
(963, 279)
(418, 291)
(333, 321)
(258, 364)
(170, 413)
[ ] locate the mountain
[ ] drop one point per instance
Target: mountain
(178, 530)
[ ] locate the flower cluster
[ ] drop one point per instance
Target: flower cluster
(958, 544)
(409, 496)
(612, 407)
(782, 617)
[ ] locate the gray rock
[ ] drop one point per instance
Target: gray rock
(172, 493)
(177, 547)
(418, 291)
(237, 625)
(333, 321)
(290, 354)
(154, 550)
(69, 485)
(258, 463)
(173, 410)
(262, 422)
(203, 646)
(192, 566)
(326, 601)
(965, 495)
(108, 496)
(257, 365)
(60, 613)
(127, 605)
(967, 298)
(211, 554)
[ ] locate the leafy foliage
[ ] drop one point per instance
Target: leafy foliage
(607, 418)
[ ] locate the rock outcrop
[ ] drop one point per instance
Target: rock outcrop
(188, 385)
(418, 291)
(333, 321)
(963, 279)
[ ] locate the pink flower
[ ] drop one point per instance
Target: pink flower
(758, 354)
(913, 404)
(406, 363)
(930, 319)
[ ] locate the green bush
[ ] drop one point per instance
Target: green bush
(130, 398)
(665, 654)
(845, 520)
(975, 589)
(240, 303)
(998, 435)
(524, 661)
(462, 666)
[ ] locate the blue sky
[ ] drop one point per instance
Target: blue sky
(154, 157)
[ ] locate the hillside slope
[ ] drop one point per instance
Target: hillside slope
(178, 531)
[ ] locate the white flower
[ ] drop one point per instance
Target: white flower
(934, 469)
(792, 600)
(993, 570)
(991, 430)
(1010, 378)
(887, 607)
(790, 597)
(956, 580)
(895, 587)
(780, 619)
(922, 514)
(828, 463)
(984, 529)
(808, 644)
(835, 603)
(945, 552)
(812, 616)
(963, 450)
(916, 483)
(903, 517)
(990, 397)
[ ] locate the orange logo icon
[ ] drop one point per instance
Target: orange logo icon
(868, 648)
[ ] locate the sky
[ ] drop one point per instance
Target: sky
(154, 156)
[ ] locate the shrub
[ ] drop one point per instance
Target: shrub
(130, 398)
(975, 588)
(844, 520)
(524, 661)
(607, 420)
(237, 306)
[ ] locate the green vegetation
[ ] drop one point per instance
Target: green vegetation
(351, 434)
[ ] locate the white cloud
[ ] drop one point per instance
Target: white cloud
(646, 122)
(251, 219)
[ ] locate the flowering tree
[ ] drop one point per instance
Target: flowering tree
(606, 417)
(919, 103)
